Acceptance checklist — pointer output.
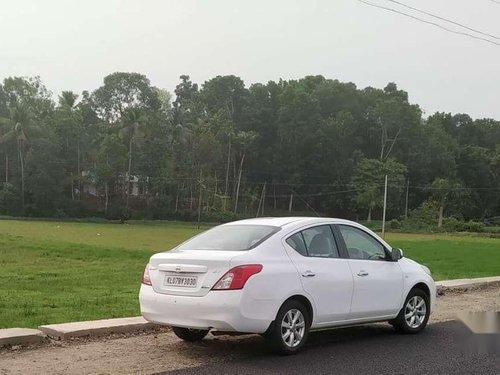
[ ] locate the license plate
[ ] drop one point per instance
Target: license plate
(181, 281)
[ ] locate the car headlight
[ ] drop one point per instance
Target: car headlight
(426, 269)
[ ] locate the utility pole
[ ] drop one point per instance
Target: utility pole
(385, 206)
(407, 194)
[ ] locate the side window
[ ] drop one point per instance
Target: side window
(360, 245)
(297, 243)
(320, 242)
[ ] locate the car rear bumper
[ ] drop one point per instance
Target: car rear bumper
(233, 311)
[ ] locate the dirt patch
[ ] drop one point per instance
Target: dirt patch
(451, 302)
(150, 352)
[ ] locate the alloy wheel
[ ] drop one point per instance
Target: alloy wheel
(415, 311)
(293, 326)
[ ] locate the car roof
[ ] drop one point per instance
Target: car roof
(286, 221)
(294, 223)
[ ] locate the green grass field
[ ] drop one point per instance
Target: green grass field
(52, 272)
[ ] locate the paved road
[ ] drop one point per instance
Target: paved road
(376, 349)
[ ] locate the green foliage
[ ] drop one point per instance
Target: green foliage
(395, 224)
(9, 199)
(369, 179)
(129, 147)
(423, 217)
(452, 224)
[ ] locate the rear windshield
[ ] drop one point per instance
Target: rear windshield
(230, 238)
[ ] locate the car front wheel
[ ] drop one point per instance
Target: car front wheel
(190, 335)
(415, 313)
(291, 327)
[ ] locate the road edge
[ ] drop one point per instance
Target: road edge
(65, 331)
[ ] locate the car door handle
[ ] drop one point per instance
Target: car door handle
(362, 273)
(308, 274)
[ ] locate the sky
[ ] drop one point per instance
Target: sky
(72, 45)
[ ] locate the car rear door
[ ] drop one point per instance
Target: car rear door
(378, 282)
(325, 276)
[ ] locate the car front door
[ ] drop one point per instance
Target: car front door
(325, 275)
(378, 281)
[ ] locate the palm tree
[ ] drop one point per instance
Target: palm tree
(68, 99)
(72, 122)
(131, 129)
(15, 126)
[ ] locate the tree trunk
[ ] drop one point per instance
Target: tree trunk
(72, 187)
(382, 142)
(78, 169)
(261, 200)
(191, 197)
(6, 167)
(200, 198)
(21, 159)
(238, 184)
(369, 218)
(215, 190)
(440, 219)
(274, 195)
(106, 198)
(177, 201)
(227, 174)
(129, 169)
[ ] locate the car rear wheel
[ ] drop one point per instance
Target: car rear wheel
(290, 329)
(415, 313)
(190, 335)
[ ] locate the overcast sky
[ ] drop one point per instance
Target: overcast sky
(72, 45)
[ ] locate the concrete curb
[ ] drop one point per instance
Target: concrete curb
(18, 336)
(96, 327)
(468, 283)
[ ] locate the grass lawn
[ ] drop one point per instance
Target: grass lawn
(52, 272)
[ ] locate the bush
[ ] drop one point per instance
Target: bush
(395, 224)
(218, 217)
(452, 224)
(424, 217)
(60, 214)
(472, 226)
(9, 199)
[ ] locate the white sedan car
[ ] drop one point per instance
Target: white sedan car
(284, 277)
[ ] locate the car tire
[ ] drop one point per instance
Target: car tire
(190, 335)
(292, 321)
(414, 315)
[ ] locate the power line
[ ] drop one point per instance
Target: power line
(495, 1)
(445, 19)
(429, 22)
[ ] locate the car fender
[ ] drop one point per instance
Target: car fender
(414, 274)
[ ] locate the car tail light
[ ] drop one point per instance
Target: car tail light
(237, 277)
(146, 279)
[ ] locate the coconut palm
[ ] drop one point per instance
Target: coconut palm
(132, 126)
(71, 128)
(15, 127)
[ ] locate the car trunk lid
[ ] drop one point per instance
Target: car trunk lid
(189, 272)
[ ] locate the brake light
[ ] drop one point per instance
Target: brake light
(237, 277)
(146, 279)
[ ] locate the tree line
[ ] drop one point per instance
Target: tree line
(224, 150)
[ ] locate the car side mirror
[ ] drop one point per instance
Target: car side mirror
(396, 254)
